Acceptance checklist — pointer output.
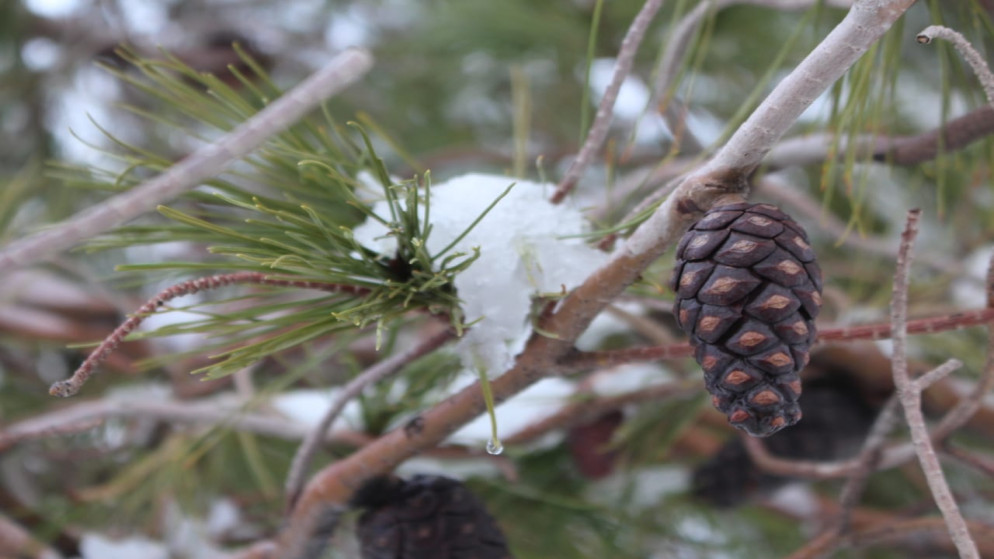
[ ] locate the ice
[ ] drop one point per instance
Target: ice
(527, 246)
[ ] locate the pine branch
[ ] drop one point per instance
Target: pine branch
(339, 73)
(598, 131)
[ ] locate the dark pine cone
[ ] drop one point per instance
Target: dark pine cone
(747, 292)
(426, 517)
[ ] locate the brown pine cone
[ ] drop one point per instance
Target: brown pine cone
(748, 290)
(426, 517)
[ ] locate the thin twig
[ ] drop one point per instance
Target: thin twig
(969, 405)
(70, 386)
(915, 149)
(605, 111)
(980, 463)
(863, 25)
(966, 50)
(910, 394)
(681, 38)
(868, 458)
(581, 360)
(376, 373)
(914, 532)
(774, 185)
(342, 71)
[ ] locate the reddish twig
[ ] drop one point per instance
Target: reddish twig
(914, 532)
(969, 405)
(982, 464)
(581, 360)
(602, 121)
(70, 386)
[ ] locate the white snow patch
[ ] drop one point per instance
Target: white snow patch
(457, 469)
(651, 486)
(633, 95)
(628, 378)
(696, 529)
(606, 324)
(223, 517)
(308, 407)
(885, 346)
(796, 498)
(97, 546)
(522, 252)
(968, 289)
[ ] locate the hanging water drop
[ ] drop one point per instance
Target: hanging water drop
(494, 446)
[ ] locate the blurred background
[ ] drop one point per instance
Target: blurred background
(510, 88)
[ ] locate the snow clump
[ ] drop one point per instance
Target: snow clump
(527, 246)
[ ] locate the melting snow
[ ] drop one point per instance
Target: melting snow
(524, 250)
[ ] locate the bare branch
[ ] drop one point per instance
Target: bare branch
(969, 405)
(966, 50)
(681, 37)
(84, 416)
(865, 23)
(953, 135)
(602, 121)
(910, 395)
(916, 530)
(376, 373)
(341, 71)
(867, 460)
(980, 463)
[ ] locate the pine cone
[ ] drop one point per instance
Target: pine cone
(748, 290)
(427, 517)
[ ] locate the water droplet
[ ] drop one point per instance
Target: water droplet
(494, 446)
